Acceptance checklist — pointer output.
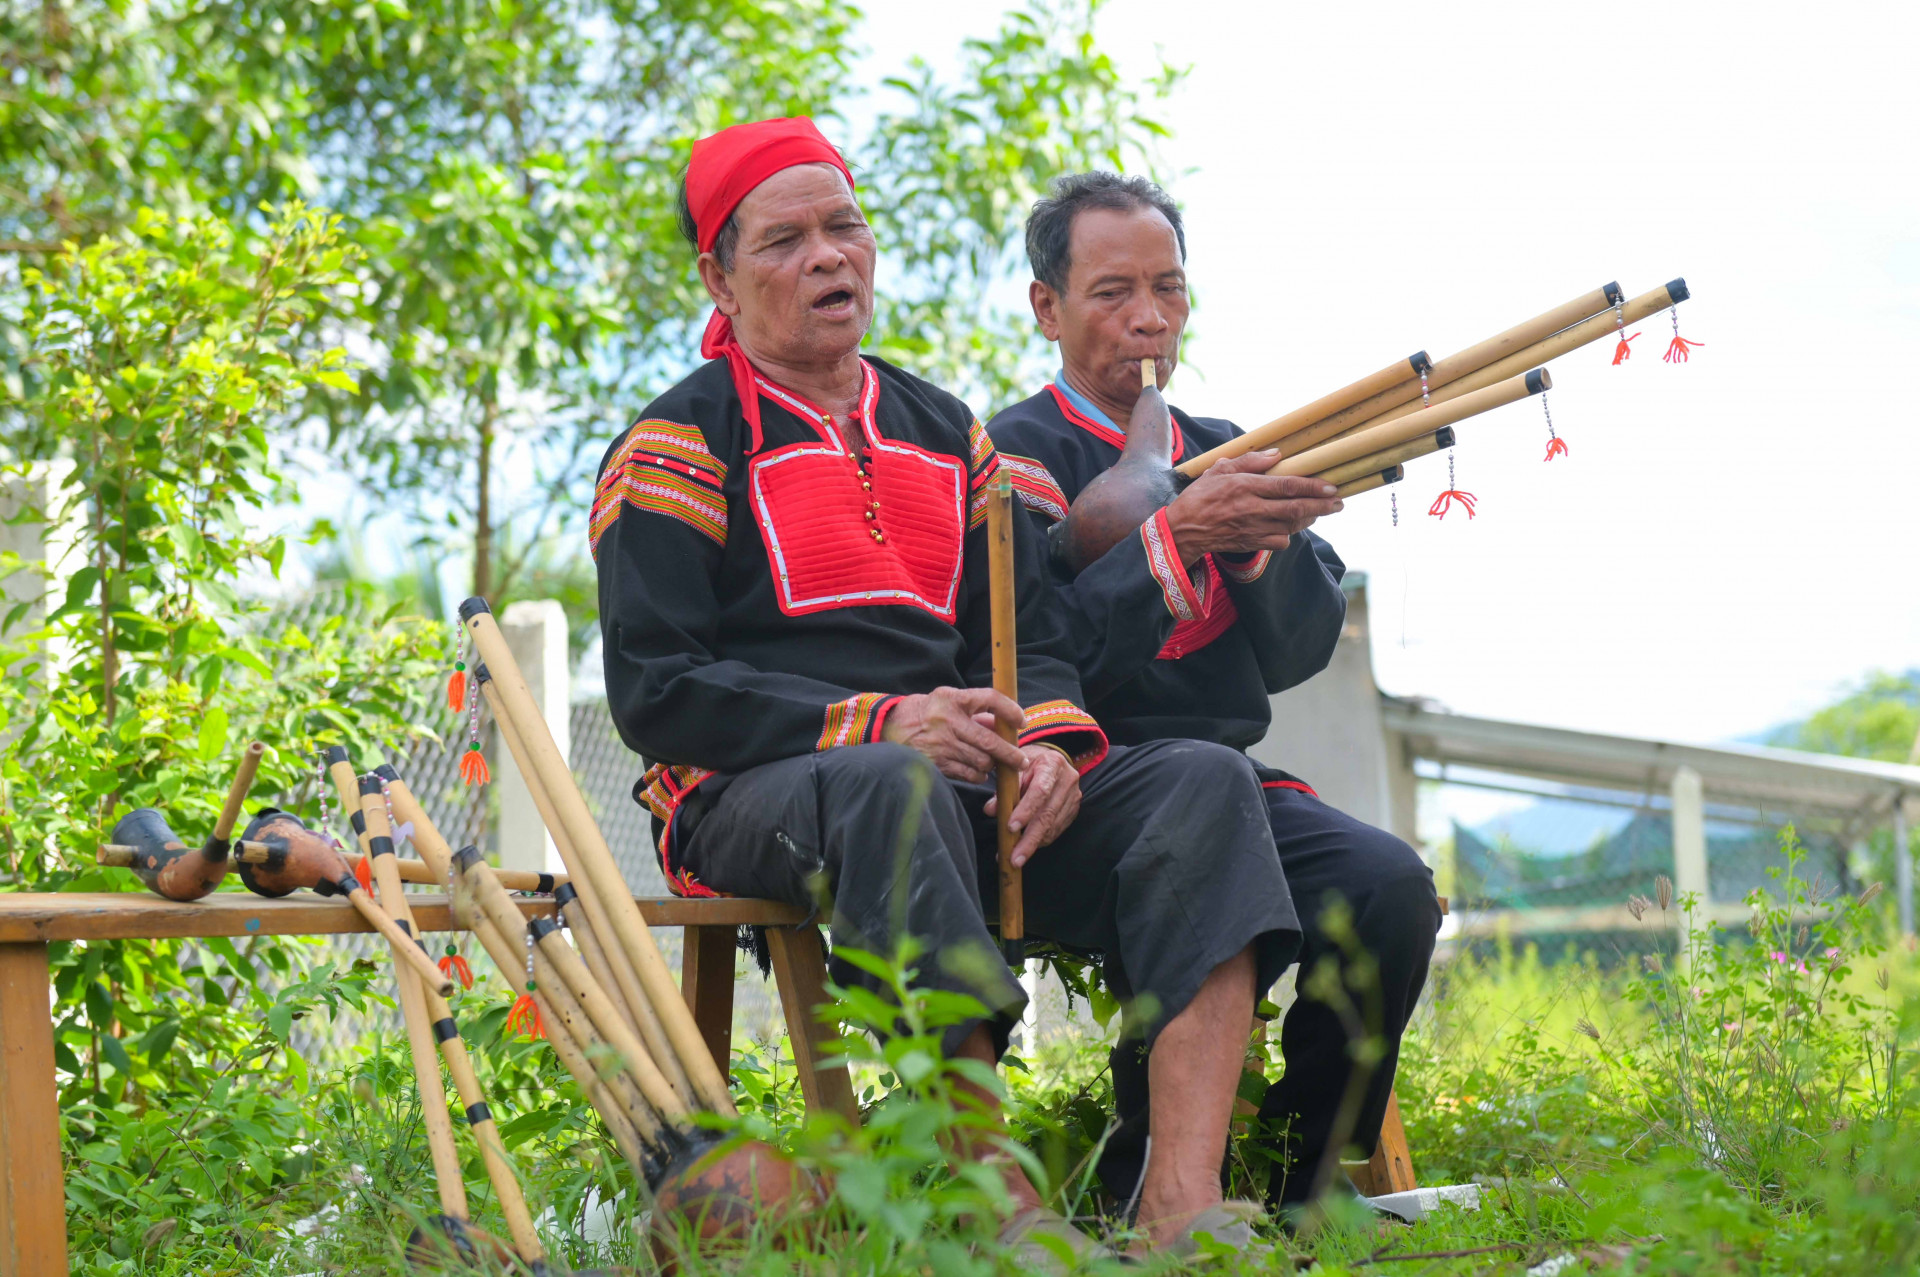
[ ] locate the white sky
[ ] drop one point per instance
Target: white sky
(1730, 540)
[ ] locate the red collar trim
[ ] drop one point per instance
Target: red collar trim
(816, 416)
(1105, 433)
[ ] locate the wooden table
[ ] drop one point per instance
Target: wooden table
(33, 1210)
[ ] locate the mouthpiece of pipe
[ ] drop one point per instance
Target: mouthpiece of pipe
(473, 607)
(1146, 373)
(1677, 290)
(254, 851)
(1538, 380)
(1421, 364)
(115, 855)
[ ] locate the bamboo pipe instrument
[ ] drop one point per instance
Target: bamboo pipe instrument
(439, 857)
(610, 967)
(1401, 372)
(1006, 681)
(1584, 333)
(296, 857)
(448, 1181)
(142, 842)
(628, 929)
(1392, 474)
(1398, 454)
(1462, 364)
(1428, 420)
(1118, 500)
(492, 899)
(567, 902)
(420, 873)
(571, 1055)
(436, 1022)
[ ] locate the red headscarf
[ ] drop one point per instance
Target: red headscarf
(724, 168)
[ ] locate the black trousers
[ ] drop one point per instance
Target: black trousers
(1327, 855)
(1169, 870)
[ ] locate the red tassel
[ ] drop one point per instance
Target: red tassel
(525, 1017)
(455, 967)
(1677, 349)
(1620, 352)
(363, 870)
(1556, 447)
(457, 688)
(1444, 502)
(473, 766)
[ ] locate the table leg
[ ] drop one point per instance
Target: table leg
(33, 1198)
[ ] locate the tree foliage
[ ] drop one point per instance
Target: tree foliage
(508, 173)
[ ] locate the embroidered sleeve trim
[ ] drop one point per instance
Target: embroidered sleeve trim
(856, 720)
(664, 467)
(1243, 570)
(1084, 742)
(980, 450)
(1182, 599)
(661, 791)
(1034, 484)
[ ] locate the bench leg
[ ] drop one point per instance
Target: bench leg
(33, 1198)
(800, 973)
(706, 982)
(1390, 1169)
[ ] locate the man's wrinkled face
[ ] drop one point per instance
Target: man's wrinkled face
(801, 288)
(1125, 299)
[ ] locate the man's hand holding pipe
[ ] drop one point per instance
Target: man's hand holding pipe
(1238, 508)
(1049, 800)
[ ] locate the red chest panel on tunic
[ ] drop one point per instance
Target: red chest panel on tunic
(812, 513)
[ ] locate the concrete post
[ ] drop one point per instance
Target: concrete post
(1689, 843)
(536, 631)
(1902, 868)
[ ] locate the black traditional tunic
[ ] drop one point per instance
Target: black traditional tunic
(1164, 650)
(758, 607)
(763, 608)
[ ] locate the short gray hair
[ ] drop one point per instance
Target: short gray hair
(1050, 225)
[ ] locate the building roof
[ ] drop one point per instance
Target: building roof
(1749, 775)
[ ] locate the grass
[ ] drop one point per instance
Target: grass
(1742, 1113)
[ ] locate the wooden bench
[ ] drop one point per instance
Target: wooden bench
(33, 1232)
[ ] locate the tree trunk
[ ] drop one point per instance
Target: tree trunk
(483, 511)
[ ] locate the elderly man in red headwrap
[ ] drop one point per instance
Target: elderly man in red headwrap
(793, 596)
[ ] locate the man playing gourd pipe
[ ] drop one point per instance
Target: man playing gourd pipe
(793, 598)
(1186, 629)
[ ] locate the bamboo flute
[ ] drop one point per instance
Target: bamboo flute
(628, 929)
(1400, 372)
(1450, 370)
(448, 1182)
(1360, 444)
(1006, 681)
(612, 969)
(1605, 324)
(493, 1153)
(1374, 462)
(1393, 474)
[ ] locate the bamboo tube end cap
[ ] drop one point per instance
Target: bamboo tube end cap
(1420, 362)
(1538, 380)
(1677, 290)
(473, 607)
(1613, 293)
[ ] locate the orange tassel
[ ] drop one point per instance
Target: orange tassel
(1556, 447)
(473, 766)
(1677, 349)
(457, 688)
(1444, 502)
(363, 870)
(525, 1017)
(455, 967)
(1620, 352)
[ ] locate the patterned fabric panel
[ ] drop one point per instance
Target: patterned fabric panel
(1182, 599)
(981, 448)
(662, 790)
(1217, 615)
(1035, 486)
(856, 720)
(663, 467)
(1067, 726)
(1245, 571)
